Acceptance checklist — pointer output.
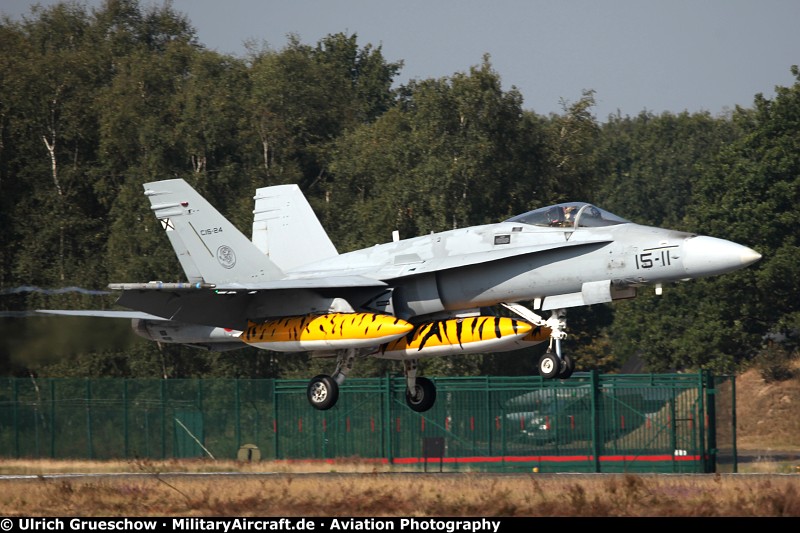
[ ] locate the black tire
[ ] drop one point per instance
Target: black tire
(424, 395)
(567, 367)
(322, 392)
(549, 366)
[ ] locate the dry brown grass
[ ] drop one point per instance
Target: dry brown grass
(362, 489)
(766, 413)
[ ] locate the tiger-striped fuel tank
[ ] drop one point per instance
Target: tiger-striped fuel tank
(463, 335)
(322, 332)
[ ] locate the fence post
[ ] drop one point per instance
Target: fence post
(596, 406)
(709, 413)
(88, 418)
(733, 423)
(673, 428)
(161, 392)
(276, 433)
(16, 417)
(237, 430)
(125, 415)
(387, 417)
(52, 418)
(202, 436)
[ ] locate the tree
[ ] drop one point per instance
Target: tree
(303, 97)
(55, 75)
(572, 137)
(647, 165)
(454, 152)
(746, 193)
(751, 195)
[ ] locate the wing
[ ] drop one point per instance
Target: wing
(232, 306)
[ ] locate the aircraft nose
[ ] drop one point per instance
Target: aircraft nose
(709, 256)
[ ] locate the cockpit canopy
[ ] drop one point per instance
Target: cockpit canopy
(569, 215)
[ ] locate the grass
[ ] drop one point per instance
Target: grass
(364, 489)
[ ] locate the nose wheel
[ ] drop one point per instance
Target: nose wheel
(555, 365)
(567, 367)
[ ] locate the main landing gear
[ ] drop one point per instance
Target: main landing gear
(420, 392)
(323, 390)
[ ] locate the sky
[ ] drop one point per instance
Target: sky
(637, 55)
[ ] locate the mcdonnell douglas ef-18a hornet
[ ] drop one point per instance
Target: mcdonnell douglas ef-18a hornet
(289, 290)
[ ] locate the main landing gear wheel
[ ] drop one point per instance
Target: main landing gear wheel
(567, 367)
(323, 391)
(549, 365)
(423, 397)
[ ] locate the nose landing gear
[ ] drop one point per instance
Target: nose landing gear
(553, 364)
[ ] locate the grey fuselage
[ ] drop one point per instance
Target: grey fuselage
(557, 267)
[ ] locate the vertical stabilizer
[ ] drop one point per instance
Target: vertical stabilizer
(286, 229)
(209, 247)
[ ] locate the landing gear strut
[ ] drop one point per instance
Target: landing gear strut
(552, 364)
(323, 390)
(420, 392)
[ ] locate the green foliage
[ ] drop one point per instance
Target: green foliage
(650, 164)
(750, 194)
(303, 98)
(572, 138)
(588, 340)
(453, 153)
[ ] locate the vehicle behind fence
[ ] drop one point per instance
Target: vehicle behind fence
(589, 423)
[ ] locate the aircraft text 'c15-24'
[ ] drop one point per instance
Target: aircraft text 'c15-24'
(288, 289)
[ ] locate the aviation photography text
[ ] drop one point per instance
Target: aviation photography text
(226, 525)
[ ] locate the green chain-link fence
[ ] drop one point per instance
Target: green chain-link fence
(589, 423)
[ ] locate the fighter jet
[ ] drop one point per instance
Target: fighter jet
(287, 288)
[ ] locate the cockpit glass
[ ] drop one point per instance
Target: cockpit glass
(569, 215)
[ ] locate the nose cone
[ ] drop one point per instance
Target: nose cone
(709, 256)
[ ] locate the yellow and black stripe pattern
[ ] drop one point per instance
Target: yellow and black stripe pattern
(462, 335)
(332, 330)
